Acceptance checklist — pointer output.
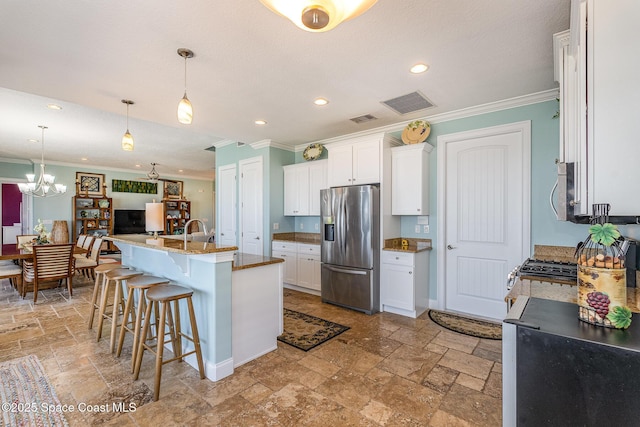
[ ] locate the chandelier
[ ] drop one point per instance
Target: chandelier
(318, 15)
(45, 185)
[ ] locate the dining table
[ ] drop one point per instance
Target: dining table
(25, 252)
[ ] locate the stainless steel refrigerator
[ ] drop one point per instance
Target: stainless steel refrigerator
(350, 272)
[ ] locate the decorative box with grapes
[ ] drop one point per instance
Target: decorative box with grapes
(602, 282)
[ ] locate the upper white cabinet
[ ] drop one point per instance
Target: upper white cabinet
(355, 163)
(410, 179)
(599, 92)
(302, 185)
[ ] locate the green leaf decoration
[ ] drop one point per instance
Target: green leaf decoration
(604, 234)
(620, 317)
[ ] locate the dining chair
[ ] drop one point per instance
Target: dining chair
(86, 265)
(13, 272)
(50, 263)
(80, 240)
(21, 239)
(86, 245)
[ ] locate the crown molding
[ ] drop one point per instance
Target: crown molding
(491, 107)
(269, 143)
(17, 161)
(223, 143)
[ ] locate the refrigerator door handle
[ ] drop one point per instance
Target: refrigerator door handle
(342, 270)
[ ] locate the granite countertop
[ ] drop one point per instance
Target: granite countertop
(170, 244)
(559, 292)
(310, 238)
(243, 261)
(412, 244)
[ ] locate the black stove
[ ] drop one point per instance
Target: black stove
(549, 271)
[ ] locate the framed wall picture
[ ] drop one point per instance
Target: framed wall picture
(90, 184)
(173, 190)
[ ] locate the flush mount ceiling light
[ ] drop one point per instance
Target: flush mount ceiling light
(419, 68)
(127, 139)
(260, 122)
(45, 185)
(185, 110)
(318, 15)
(320, 101)
(54, 107)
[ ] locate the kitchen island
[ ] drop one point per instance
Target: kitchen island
(237, 297)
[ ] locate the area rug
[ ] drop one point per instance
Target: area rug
(467, 325)
(27, 395)
(306, 332)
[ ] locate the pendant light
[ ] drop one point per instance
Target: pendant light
(185, 110)
(45, 186)
(318, 15)
(127, 139)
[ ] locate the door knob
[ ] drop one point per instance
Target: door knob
(258, 238)
(450, 247)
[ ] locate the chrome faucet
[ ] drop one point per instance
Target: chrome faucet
(186, 229)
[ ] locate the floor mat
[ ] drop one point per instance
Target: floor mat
(306, 332)
(467, 325)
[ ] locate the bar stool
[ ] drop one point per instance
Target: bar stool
(141, 284)
(100, 278)
(162, 295)
(116, 276)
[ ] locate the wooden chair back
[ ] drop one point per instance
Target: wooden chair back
(21, 239)
(87, 243)
(94, 255)
(52, 262)
(81, 239)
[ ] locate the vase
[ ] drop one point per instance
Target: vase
(599, 290)
(60, 232)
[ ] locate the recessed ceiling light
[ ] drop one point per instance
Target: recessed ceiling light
(32, 140)
(260, 122)
(320, 101)
(137, 166)
(54, 107)
(84, 159)
(419, 68)
(180, 170)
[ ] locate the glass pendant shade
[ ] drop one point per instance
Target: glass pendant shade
(127, 141)
(185, 110)
(45, 185)
(318, 15)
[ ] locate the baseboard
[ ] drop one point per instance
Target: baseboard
(301, 289)
(213, 371)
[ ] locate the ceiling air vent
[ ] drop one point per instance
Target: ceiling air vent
(364, 119)
(412, 102)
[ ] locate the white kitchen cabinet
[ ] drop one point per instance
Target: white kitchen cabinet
(308, 266)
(302, 185)
(404, 286)
(286, 251)
(598, 98)
(410, 179)
(355, 163)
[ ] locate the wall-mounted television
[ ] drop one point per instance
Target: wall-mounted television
(128, 221)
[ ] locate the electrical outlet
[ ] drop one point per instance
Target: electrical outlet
(276, 226)
(417, 229)
(426, 228)
(317, 226)
(301, 226)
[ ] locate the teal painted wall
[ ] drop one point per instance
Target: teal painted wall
(199, 192)
(14, 170)
(273, 184)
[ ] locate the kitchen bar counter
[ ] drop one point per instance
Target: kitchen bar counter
(413, 244)
(238, 310)
(170, 244)
(242, 261)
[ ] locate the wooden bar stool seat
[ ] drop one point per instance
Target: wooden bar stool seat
(141, 284)
(161, 296)
(116, 277)
(100, 277)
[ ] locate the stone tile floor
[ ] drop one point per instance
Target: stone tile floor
(387, 370)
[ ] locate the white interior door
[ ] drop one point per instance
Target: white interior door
(226, 228)
(251, 233)
(486, 217)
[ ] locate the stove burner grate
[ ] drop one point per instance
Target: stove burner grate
(549, 271)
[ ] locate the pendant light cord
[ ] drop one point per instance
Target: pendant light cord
(185, 75)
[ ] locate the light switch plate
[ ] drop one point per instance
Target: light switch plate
(276, 226)
(417, 229)
(301, 226)
(317, 226)
(426, 228)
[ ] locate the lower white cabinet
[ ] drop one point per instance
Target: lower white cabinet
(301, 264)
(286, 251)
(404, 285)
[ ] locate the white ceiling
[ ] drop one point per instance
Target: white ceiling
(87, 55)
